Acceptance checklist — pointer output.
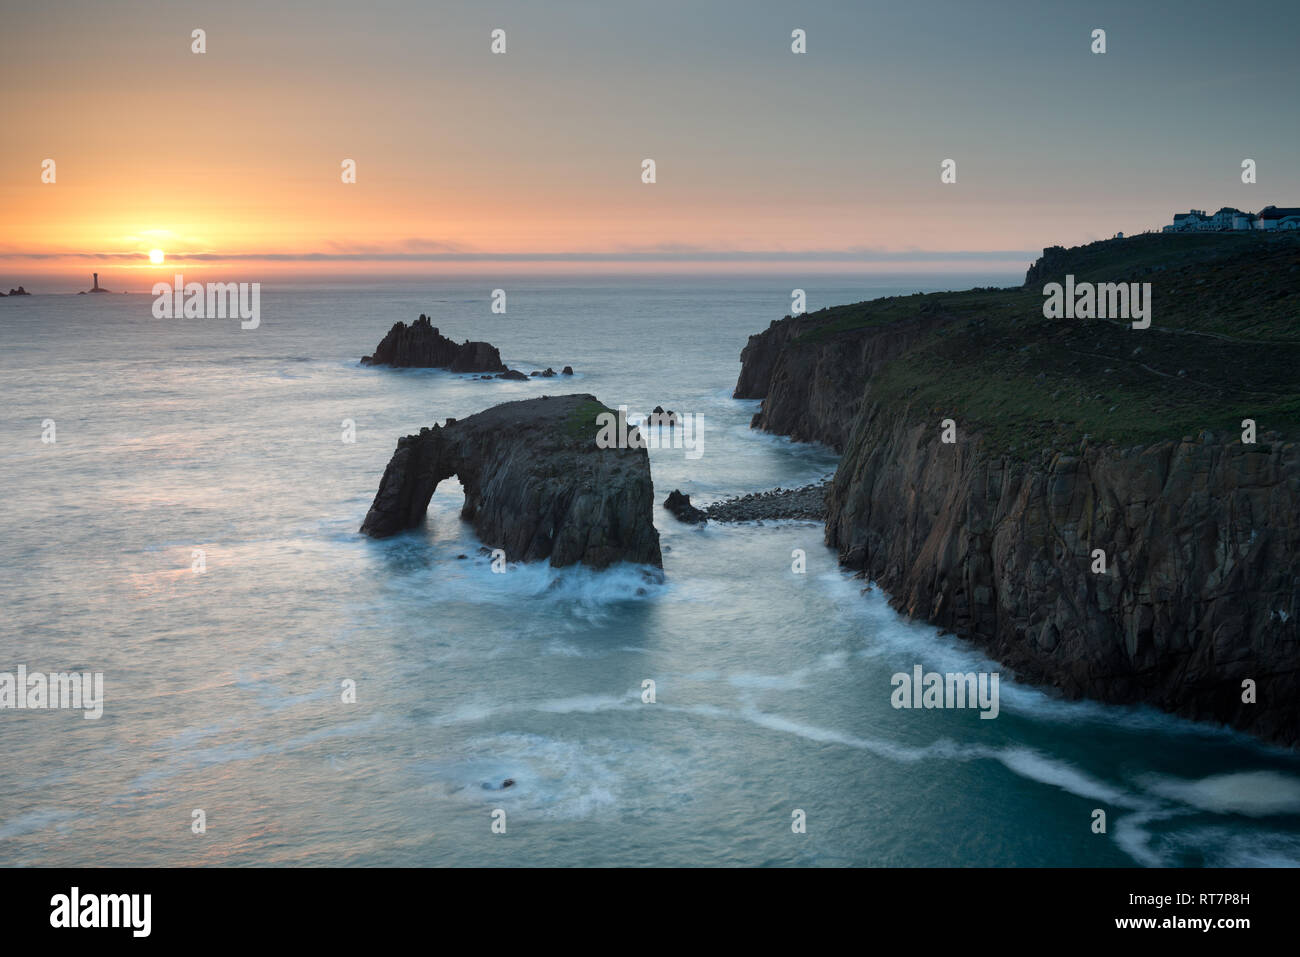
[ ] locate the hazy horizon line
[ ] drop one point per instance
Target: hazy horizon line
(649, 256)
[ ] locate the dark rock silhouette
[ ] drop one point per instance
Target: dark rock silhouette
(567, 370)
(661, 416)
(421, 346)
(20, 291)
(682, 509)
(536, 484)
(512, 374)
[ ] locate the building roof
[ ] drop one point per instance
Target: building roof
(1279, 212)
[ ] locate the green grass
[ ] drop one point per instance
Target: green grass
(989, 360)
(879, 312)
(581, 426)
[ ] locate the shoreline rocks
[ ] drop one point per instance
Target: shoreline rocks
(807, 503)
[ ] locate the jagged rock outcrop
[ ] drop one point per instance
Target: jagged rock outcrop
(536, 484)
(420, 345)
(20, 291)
(1052, 264)
(679, 505)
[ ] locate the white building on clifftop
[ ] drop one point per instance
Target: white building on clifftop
(1229, 219)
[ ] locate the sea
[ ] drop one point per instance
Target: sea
(182, 504)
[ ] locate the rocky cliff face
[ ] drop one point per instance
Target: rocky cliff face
(1202, 555)
(536, 484)
(420, 345)
(1072, 439)
(812, 383)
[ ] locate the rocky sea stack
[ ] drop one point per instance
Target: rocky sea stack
(421, 346)
(536, 484)
(1099, 517)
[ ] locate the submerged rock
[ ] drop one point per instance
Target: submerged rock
(536, 484)
(421, 346)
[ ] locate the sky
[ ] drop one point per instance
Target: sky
(230, 161)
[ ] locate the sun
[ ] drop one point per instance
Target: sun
(156, 256)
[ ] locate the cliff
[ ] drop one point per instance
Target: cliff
(536, 484)
(1073, 436)
(420, 345)
(813, 380)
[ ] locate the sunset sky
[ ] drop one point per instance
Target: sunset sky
(229, 161)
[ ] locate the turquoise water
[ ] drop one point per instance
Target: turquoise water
(772, 688)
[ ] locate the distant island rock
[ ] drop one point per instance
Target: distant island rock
(20, 291)
(97, 287)
(536, 484)
(421, 346)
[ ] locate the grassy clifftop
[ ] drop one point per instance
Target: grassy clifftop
(1224, 344)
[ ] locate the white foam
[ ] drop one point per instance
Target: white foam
(1038, 767)
(896, 639)
(554, 778)
(1252, 793)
